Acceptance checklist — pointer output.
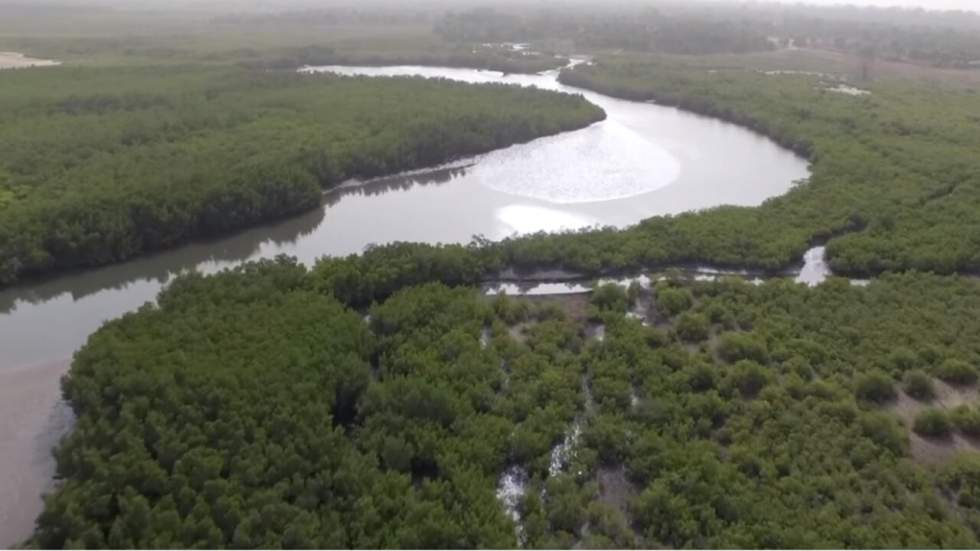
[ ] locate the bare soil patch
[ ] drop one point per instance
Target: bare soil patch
(932, 451)
(615, 490)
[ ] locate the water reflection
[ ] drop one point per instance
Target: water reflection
(206, 255)
(397, 182)
(811, 273)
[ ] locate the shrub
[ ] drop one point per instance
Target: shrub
(885, 431)
(919, 386)
(933, 423)
(717, 313)
(749, 377)
(655, 338)
(799, 366)
(966, 420)
(962, 478)
(734, 347)
(693, 327)
(957, 372)
(510, 310)
(902, 359)
(674, 301)
(700, 377)
(610, 297)
(875, 387)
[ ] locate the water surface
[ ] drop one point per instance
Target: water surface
(17, 60)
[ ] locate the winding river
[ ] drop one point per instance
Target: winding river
(643, 160)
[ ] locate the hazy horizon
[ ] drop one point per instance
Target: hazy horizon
(969, 5)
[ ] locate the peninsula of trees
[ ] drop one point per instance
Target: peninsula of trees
(100, 164)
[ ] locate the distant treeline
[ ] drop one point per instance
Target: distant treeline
(936, 38)
(647, 30)
(477, 56)
(98, 165)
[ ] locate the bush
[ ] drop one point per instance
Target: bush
(674, 301)
(966, 420)
(957, 372)
(883, 430)
(734, 347)
(932, 423)
(919, 386)
(510, 310)
(700, 377)
(875, 387)
(749, 377)
(655, 338)
(902, 359)
(610, 297)
(693, 327)
(962, 478)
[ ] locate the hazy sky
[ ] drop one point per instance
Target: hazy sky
(931, 4)
(973, 5)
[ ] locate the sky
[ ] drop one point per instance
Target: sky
(973, 5)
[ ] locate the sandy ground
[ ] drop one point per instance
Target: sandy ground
(32, 420)
(933, 451)
(14, 60)
(615, 490)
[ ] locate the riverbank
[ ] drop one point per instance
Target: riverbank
(33, 418)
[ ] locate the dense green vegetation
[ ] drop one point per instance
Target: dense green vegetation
(98, 164)
(256, 408)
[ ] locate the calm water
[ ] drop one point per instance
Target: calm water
(643, 160)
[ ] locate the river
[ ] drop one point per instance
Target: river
(643, 160)
(17, 60)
